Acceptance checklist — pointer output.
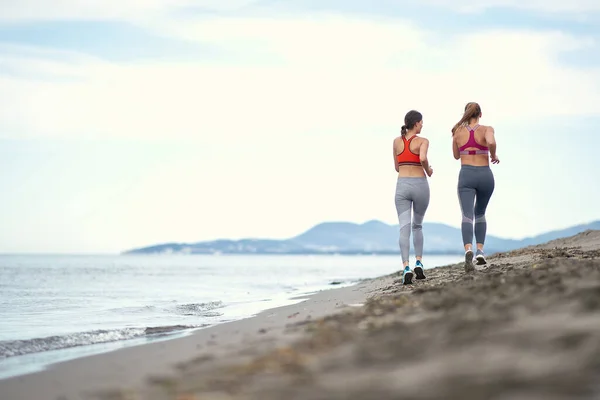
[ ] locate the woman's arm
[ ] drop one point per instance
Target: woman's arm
(455, 149)
(423, 157)
(394, 153)
(490, 139)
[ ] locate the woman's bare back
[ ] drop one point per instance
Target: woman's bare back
(414, 147)
(461, 138)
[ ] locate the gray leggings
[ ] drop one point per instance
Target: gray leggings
(411, 193)
(475, 185)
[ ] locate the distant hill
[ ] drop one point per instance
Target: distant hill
(372, 237)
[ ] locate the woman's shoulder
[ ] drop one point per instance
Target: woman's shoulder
(419, 141)
(462, 128)
(486, 130)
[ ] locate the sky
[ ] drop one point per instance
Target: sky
(125, 124)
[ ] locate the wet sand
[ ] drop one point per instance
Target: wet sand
(527, 326)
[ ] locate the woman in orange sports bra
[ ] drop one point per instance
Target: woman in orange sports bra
(412, 190)
(472, 144)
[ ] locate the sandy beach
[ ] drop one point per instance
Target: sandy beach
(526, 326)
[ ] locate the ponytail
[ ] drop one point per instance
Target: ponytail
(472, 110)
(403, 130)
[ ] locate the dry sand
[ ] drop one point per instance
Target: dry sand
(525, 327)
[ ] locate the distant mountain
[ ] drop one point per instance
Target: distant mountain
(372, 237)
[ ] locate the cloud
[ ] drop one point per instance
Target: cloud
(131, 10)
(304, 75)
(152, 10)
(549, 6)
(293, 119)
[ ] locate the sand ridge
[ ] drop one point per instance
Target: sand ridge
(525, 327)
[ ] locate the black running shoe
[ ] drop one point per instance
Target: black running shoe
(469, 267)
(419, 270)
(480, 257)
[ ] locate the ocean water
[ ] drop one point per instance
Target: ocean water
(54, 308)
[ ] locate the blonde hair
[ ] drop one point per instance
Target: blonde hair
(472, 110)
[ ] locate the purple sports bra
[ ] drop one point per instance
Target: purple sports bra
(472, 143)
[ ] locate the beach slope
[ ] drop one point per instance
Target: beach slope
(527, 326)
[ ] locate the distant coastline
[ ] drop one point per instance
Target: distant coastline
(294, 253)
(346, 238)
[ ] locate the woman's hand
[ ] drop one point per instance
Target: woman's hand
(429, 171)
(495, 159)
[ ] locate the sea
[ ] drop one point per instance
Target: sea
(54, 308)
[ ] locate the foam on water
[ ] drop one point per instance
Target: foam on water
(55, 308)
(11, 348)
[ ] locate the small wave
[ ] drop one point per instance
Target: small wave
(195, 309)
(168, 329)
(133, 310)
(12, 348)
(200, 309)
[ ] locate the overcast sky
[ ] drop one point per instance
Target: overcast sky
(130, 123)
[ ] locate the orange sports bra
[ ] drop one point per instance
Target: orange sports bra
(407, 157)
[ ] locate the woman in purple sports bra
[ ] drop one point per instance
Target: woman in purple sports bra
(471, 144)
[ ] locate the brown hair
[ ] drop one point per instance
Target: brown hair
(410, 119)
(472, 110)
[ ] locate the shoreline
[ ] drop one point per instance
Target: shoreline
(37, 353)
(68, 354)
(525, 326)
(75, 377)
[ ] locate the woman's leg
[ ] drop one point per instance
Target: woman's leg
(485, 189)
(420, 204)
(403, 208)
(466, 198)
